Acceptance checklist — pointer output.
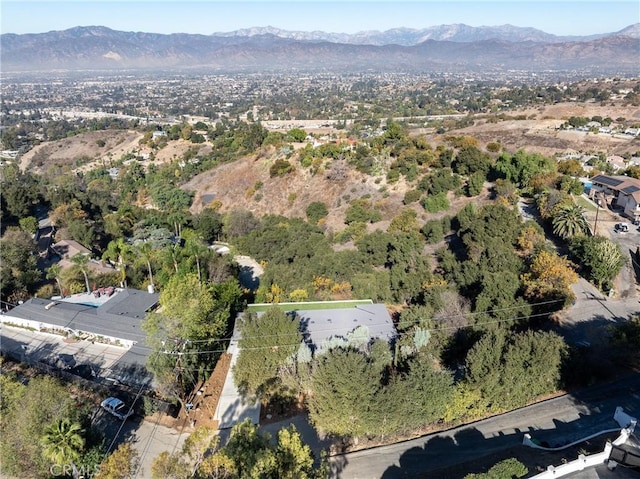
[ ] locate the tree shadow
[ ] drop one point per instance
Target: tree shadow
(236, 411)
(592, 358)
(635, 262)
(454, 454)
(247, 278)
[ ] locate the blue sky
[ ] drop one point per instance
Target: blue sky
(573, 17)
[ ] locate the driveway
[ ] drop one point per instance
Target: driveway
(250, 272)
(626, 284)
(148, 437)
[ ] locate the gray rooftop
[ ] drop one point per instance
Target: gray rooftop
(601, 472)
(322, 324)
(119, 317)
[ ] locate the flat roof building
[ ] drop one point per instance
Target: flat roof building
(114, 317)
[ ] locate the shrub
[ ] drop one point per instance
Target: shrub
(280, 168)
(393, 176)
(411, 196)
(46, 291)
(435, 203)
(149, 406)
(433, 231)
(315, 211)
(494, 147)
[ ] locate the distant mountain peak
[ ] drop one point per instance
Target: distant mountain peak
(632, 31)
(455, 32)
(444, 47)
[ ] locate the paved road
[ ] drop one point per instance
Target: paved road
(588, 320)
(557, 421)
(148, 438)
(35, 346)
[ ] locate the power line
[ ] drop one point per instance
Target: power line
(115, 437)
(399, 324)
(324, 330)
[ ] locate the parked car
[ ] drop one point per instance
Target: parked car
(622, 227)
(116, 407)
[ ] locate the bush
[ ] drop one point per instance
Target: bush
(280, 168)
(46, 291)
(475, 183)
(393, 176)
(507, 469)
(316, 211)
(411, 196)
(436, 203)
(494, 147)
(359, 211)
(149, 406)
(433, 231)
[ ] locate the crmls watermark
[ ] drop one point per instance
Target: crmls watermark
(81, 472)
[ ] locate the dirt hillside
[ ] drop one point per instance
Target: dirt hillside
(234, 185)
(94, 149)
(539, 132)
(82, 148)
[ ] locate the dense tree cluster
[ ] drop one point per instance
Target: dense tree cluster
(249, 453)
(467, 345)
(43, 424)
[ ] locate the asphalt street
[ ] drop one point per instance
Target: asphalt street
(556, 421)
(148, 438)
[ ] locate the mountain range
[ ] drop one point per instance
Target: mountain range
(410, 36)
(441, 48)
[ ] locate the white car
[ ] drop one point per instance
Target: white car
(622, 227)
(117, 408)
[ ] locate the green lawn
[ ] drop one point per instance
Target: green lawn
(309, 306)
(586, 204)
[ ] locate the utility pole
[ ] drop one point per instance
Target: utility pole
(599, 197)
(178, 348)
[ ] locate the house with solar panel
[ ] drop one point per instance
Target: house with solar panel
(620, 192)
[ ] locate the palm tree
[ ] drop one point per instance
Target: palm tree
(63, 442)
(568, 221)
(146, 250)
(119, 252)
(81, 261)
(53, 272)
(195, 248)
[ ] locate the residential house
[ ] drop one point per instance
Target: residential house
(619, 458)
(622, 192)
(317, 326)
(617, 162)
(111, 315)
(67, 249)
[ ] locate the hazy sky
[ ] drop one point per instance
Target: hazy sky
(574, 17)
